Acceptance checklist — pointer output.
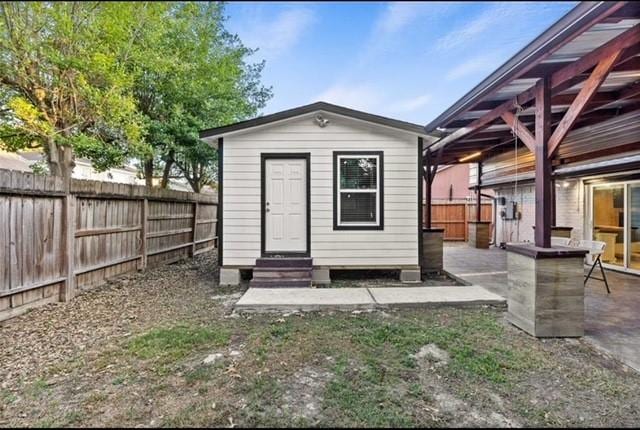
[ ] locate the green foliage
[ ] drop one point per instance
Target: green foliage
(64, 79)
(194, 76)
(112, 81)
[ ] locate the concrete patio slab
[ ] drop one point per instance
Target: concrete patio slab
(304, 299)
(435, 296)
(314, 299)
(612, 321)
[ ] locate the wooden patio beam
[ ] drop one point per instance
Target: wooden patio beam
(562, 76)
(479, 193)
(438, 160)
(523, 132)
(587, 91)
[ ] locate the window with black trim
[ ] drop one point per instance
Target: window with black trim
(358, 201)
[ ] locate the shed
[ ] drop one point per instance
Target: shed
(316, 188)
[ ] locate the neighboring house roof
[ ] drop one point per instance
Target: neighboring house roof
(13, 161)
(315, 107)
(24, 160)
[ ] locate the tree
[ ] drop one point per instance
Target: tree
(197, 78)
(111, 81)
(64, 84)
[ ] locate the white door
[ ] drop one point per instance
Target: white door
(285, 205)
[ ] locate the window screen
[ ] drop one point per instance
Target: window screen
(357, 207)
(358, 193)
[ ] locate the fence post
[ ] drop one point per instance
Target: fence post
(144, 216)
(466, 221)
(195, 226)
(68, 292)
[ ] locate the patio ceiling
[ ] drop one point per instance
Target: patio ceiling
(591, 58)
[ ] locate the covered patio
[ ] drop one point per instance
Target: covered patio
(555, 134)
(612, 321)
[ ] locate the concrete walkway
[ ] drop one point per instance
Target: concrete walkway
(347, 299)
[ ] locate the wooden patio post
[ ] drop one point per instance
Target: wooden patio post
(538, 275)
(543, 164)
(427, 191)
(432, 250)
(478, 230)
(553, 203)
(479, 194)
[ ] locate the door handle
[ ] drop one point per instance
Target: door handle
(267, 210)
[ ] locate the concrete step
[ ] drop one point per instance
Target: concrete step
(281, 283)
(285, 262)
(281, 272)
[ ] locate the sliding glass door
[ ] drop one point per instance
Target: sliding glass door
(615, 220)
(634, 226)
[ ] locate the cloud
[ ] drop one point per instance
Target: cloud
(361, 96)
(492, 19)
(394, 21)
(398, 15)
(473, 66)
(276, 35)
(412, 104)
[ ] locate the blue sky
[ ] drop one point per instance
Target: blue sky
(405, 60)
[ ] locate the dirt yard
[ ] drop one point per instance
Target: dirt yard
(163, 348)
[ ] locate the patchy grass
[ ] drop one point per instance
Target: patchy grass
(170, 344)
(37, 388)
(142, 365)
(363, 397)
(7, 397)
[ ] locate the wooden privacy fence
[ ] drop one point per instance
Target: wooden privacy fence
(454, 216)
(53, 242)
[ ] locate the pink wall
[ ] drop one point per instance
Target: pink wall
(456, 175)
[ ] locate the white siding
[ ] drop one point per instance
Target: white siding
(396, 245)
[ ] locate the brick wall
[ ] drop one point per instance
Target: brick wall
(517, 230)
(570, 206)
(569, 211)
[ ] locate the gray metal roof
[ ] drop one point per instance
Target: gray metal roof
(549, 48)
(583, 30)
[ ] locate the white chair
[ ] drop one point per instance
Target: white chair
(560, 241)
(596, 249)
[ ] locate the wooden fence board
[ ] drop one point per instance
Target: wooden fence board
(110, 229)
(454, 217)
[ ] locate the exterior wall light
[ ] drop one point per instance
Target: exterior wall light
(470, 156)
(321, 121)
